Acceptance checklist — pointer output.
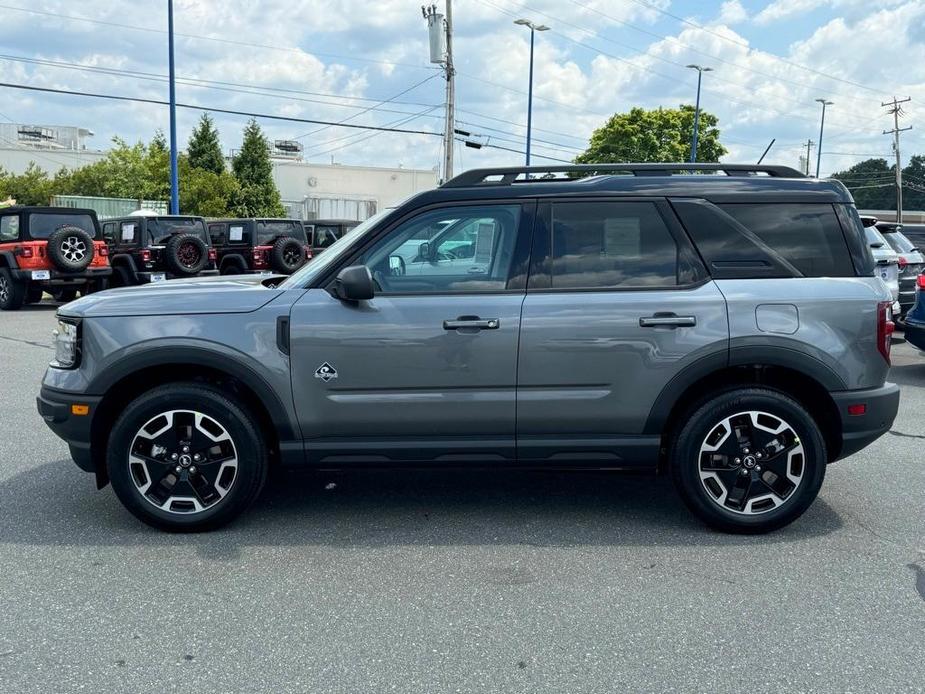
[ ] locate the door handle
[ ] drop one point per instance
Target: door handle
(667, 320)
(471, 323)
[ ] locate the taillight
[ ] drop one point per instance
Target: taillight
(146, 255)
(308, 252)
(26, 252)
(885, 328)
(259, 257)
(921, 281)
(903, 262)
(212, 254)
(104, 250)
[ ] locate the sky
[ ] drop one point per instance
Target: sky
(367, 63)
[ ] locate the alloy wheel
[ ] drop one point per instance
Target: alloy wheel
(4, 289)
(751, 462)
(73, 249)
(188, 255)
(183, 461)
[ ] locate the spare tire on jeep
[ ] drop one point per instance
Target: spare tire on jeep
(187, 254)
(287, 255)
(70, 248)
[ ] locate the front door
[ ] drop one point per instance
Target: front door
(618, 305)
(426, 370)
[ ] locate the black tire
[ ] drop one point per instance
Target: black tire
(720, 508)
(229, 415)
(70, 249)
(34, 293)
(12, 291)
(63, 295)
(186, 254)
(232, 269)
(121, 277)
(287, 255)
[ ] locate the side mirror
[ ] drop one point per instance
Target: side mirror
(424, 251)
(354, 283)
(878, 244)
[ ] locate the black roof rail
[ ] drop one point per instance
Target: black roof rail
(508, 175)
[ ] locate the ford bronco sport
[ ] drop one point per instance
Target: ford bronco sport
(724, 327)
(154, 248)
(267, 246)
(54, 249)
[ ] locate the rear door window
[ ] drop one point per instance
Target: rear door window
(9, 227)
(808, 236)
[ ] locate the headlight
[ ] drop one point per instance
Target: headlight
(67, 344)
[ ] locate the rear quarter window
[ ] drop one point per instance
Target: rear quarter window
(808, 236)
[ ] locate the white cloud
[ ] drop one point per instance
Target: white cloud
(784, 9)
(732, 12)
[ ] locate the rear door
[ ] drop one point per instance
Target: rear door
(427, 368)
(618, 304)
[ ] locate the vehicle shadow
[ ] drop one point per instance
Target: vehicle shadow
(46, 305)
(908, 375)
(383, 508)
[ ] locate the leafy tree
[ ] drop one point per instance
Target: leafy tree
(914, 184)
(32, 187)
(204, 149)
(870, 182)
(207, 193)
(254, 171)
(659, 135)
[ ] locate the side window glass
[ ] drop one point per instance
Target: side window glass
(109, 232)
(217, 234)
(9, 227)
(451, 250)
(128, 232)
(611, 245)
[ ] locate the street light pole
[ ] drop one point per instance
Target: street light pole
(700, 70)
(174, 185)
(533, 29)
(821, 127)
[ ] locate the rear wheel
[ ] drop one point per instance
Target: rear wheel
(12, 291)
(748, 460)
(34, 294)
(186, 457)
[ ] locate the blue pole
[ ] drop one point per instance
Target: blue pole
(174, 186)
(530, 98)
(696, 119)
(819, 148)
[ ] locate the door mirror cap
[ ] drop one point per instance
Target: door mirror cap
(354, 283)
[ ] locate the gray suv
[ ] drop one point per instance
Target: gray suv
(723, 326)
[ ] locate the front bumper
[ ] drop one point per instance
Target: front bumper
(55, 408)
(859, 431)
(59, 278)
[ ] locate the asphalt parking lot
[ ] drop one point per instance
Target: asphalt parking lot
(455, 581)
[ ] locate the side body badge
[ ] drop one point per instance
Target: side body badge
(326, 372)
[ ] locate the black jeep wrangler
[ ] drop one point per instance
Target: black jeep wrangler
(259, 245)
(155, 248)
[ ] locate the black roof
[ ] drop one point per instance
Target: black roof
(354, 222)
(723, 183)
(152, 216)
(253, 219)
(47, 209)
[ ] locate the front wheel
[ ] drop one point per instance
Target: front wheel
(12, 291)
(749, 460)
(186, 457)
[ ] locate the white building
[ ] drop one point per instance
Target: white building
(309, 191)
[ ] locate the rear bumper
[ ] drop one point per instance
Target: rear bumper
(145, 276)
(57, 277)
(915, 333)
(859, 431)
(55, 408)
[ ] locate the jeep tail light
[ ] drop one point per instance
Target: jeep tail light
(26, 252)
(903, 262)
(885, 327)
(308, 252)
(104, 250)
(212, 254)
(146, 255)
(921, 281)
(259, 257)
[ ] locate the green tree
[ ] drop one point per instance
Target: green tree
(914, 183)
(204, 149)
(207, 193)
(658, 135)
(32, 187)
(254, 171)
(871, 183)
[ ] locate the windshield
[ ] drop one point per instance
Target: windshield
(899, 242)
(41, 226)
(333, 253)
(160, 229)
(268, 232)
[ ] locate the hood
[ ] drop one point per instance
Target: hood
(220, 294)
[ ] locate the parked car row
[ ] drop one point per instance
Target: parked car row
(63, 250)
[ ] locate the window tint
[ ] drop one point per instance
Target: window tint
(455, 249)
(9, 227)
(611, 244)
(808, 236)
(325, 235)
(268, 232)
(41, 225)
(109, 231)
(898, 242)
(160, 230)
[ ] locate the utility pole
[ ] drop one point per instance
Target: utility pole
(821, 128)
(441, 52)
(809, 146)
(174, 184)
(897, 111)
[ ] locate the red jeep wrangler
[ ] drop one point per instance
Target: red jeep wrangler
(55, 249)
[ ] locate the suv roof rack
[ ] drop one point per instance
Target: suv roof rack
(509, 175)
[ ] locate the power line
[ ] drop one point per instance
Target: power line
(195, 107)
